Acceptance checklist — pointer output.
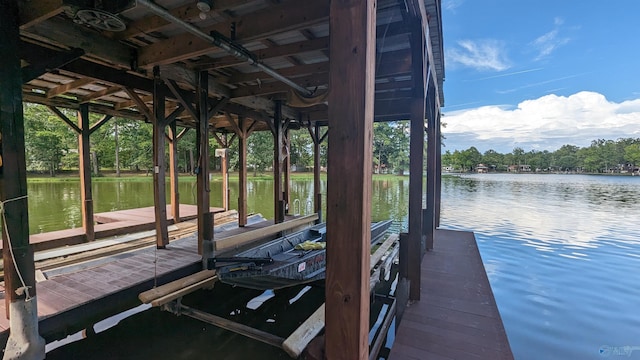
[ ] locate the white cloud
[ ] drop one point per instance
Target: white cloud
(545, 123)
(480, 54)
(550, 41)
(451, 5)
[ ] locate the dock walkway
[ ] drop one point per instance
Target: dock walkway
(457, 316)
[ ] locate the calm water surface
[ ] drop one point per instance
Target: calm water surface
(562, 253)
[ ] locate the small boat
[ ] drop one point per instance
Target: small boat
(290, 260)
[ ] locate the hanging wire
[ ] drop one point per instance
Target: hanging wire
(24, 289)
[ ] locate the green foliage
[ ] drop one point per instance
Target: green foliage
(600, 157)
(260, 151)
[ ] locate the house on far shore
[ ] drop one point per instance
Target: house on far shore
(482, 169)
(519, 168)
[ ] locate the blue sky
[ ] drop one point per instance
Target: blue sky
(540, 74)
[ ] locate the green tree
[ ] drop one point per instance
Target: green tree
(260, 151)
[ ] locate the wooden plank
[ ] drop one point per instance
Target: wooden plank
(102, 93)
(352, 26)
(235, 241)
(278, 87)
(241, 329)
(457, 316)
(207, 283)
(295, 344)
(166, 289)
(258, 25)
(76, 84)
(291, 72)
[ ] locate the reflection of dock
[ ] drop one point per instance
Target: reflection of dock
(457, 316)
(74, 297)
(109, 224)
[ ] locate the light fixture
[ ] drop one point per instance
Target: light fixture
(204, 5)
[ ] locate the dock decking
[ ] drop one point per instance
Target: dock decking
(77, 296)
(457, 316)
(111, 224)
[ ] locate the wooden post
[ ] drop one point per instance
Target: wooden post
(225, 179)
(416, 160)
(432, 143)
(85, 172)
(286, 167)
(352, 48)
(278, 213)
(173, 172)
(202, 136)
(159, 168)
(24, 340)
(317, 190)
(242, 173)
(438, 190)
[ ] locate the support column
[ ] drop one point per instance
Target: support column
(286, 170)
(24, 340)
(278, 204)
(317, 190)
(173, 172)
(352, 49)
(242, 173)
(225, 178)
(159, 168)
(438, 191)
(84, 152)
(202, 136)
(416, 162)
(432, 143)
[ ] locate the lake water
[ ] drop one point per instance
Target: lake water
(562, 253)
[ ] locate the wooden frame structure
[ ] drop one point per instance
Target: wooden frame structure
(270, 66)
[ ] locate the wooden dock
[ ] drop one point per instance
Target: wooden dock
(75, 297)
(457, 316)
(109, 224)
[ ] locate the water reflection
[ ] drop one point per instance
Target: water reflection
(562, 254)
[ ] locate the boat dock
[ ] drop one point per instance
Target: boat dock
(457, 316)
(74, 297)
(112, 223)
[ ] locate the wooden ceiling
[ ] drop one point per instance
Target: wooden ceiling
(68, 62)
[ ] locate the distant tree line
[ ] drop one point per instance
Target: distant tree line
(52, 146)
(602, 156)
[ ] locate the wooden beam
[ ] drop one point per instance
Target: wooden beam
(142, 107)
(175, 90)
(186, 12)
(102, 93)
(33, 12)
(76, 84)
(159, 167)
(290, 15)
(352, 25)
(236, 241)
(268, 53)
(291, 72)
(39, 68)
(84, 151)
(99, 123)
(278, 87)
(64, 118)
(133, 103)
(432, 144)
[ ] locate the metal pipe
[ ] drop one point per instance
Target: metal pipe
(223, 43)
